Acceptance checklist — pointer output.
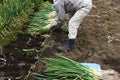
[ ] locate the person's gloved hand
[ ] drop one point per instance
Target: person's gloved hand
(56, 25)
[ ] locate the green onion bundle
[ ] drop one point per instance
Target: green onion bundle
(65, 69)
(42, 19)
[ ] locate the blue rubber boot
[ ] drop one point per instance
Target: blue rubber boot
(68, 46)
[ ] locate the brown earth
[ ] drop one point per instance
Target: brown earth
(98, 41)
(98, 38)
(18, 61)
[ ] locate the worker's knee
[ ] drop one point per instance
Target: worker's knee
(72, 25)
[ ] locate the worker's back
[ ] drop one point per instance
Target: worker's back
(72, 5)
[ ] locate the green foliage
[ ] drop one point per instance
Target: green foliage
(1, 1)
(13, 16)
(11, 10)
(65, 69)
(9, 33)
(13, 13)
(38, 3)
(41, 19)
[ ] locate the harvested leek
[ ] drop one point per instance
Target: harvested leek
(65, 69)
(42, 21)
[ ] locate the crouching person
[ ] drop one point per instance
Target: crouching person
(79, 9)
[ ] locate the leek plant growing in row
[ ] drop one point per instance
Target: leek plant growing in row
(1, 1)
(13, 14)
(11, 10)
(65, 69)
(38, 3)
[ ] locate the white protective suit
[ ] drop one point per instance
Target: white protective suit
(81, 8)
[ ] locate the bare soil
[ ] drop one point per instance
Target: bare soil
(98, 41)
(19, 61)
